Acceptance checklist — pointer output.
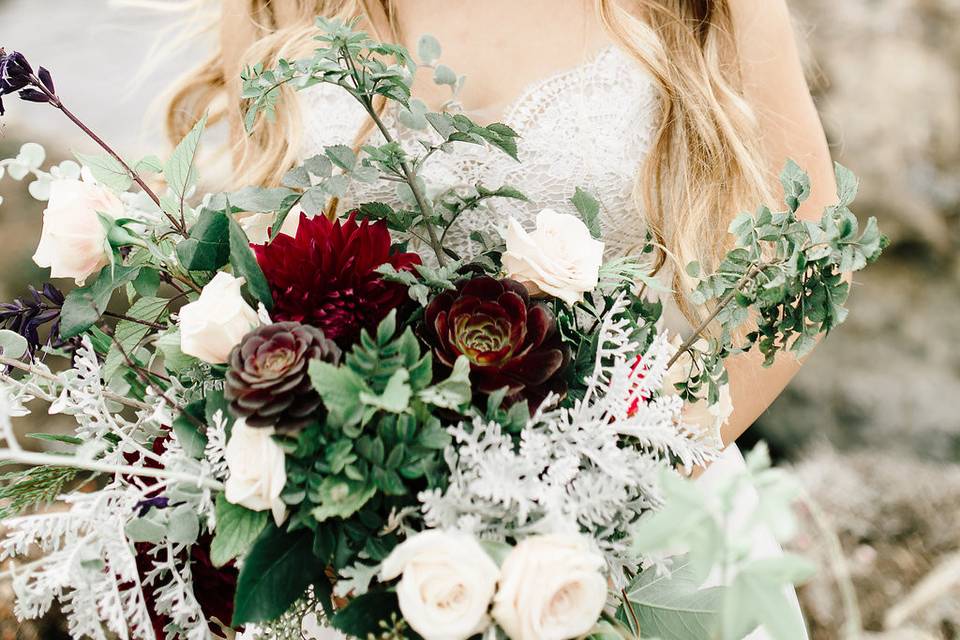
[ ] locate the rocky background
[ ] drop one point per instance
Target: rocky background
(871, 424)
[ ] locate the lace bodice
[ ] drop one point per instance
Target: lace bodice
(589, 126)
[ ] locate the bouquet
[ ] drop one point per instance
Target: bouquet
(347, 422)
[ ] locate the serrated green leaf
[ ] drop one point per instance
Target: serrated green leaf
(180, 170)
(454, 392)
(84, 306)
(129, 334)
(340, 389)
(673, 607)
(107, 170)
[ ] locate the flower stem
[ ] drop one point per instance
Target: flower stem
(409, 173)
(146, 323)
(56, 103)
(40, 373)
(38, 459)
(724, 301)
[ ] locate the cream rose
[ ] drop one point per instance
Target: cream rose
(257, 225)
(256, 470)
(708, 417)
(551, 588)
(447, 584)
(559, 258)
(73, 242)
(212, 325)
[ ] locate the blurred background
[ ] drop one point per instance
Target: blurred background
(871, 424)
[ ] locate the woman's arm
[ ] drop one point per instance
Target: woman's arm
(775, 86)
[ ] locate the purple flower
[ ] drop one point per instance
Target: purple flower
(25, 315)
(16, 75)
(142, 507)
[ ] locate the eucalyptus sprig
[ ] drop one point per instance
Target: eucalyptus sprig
(371, 72)
(786, 275)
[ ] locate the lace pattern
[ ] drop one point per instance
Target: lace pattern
(589, 126)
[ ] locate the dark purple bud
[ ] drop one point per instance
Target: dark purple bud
(144, 505)
(15, 72)
(33, 95)
(47, 80)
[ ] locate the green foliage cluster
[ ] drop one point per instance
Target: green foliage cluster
(783, 285)
(381, 443)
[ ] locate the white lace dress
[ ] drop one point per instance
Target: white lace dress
(590, 126)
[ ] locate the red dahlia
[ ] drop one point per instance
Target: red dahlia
(508, 341)
(326, 275)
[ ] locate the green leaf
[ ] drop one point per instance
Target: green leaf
(847, 185)
(145, 530)
(443, 74)
(12, 344)
(341, 497)
(56, 437)
(129, 334)
(342, 156)
(428, 48)
(362, 616)
(147, 282)
(175, 360)
(276, 572)
(245, 264)
(395, 397)
(589, 209)
(672, 607)
(107, 170)
(192, 438)
(180, 170)
(237, 529)
(208, 247)
(184, 525)
(285, 208)
(452, 393)
(340, 389)
(84, 306)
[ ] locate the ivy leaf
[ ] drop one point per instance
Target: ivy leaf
(278, 569)
(237, 529)
(245, 265)
(589, 209)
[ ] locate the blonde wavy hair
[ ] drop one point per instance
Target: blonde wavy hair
(705, 164)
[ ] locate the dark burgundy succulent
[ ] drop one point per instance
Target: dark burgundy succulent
(268, 382)
(508, 341)
(326, 275)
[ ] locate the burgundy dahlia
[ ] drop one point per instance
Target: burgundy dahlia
(326, 276)
(268, 382)
(509, 341)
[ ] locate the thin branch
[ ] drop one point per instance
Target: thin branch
(56, 103)
(724, 301)
(40, 373)
(151, 384)
(146, 323)
(38, 459)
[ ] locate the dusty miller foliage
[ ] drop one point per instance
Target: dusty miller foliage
(590, 467)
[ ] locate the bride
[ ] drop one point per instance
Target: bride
(678, 114)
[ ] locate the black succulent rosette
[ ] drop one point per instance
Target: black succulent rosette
(268, 382)
(509, 341)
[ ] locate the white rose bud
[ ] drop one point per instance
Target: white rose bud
(256, 470)
(212, 325)
(710, 418)
(73, 242)
(447, 584)
(559, 258)
(551, 588)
